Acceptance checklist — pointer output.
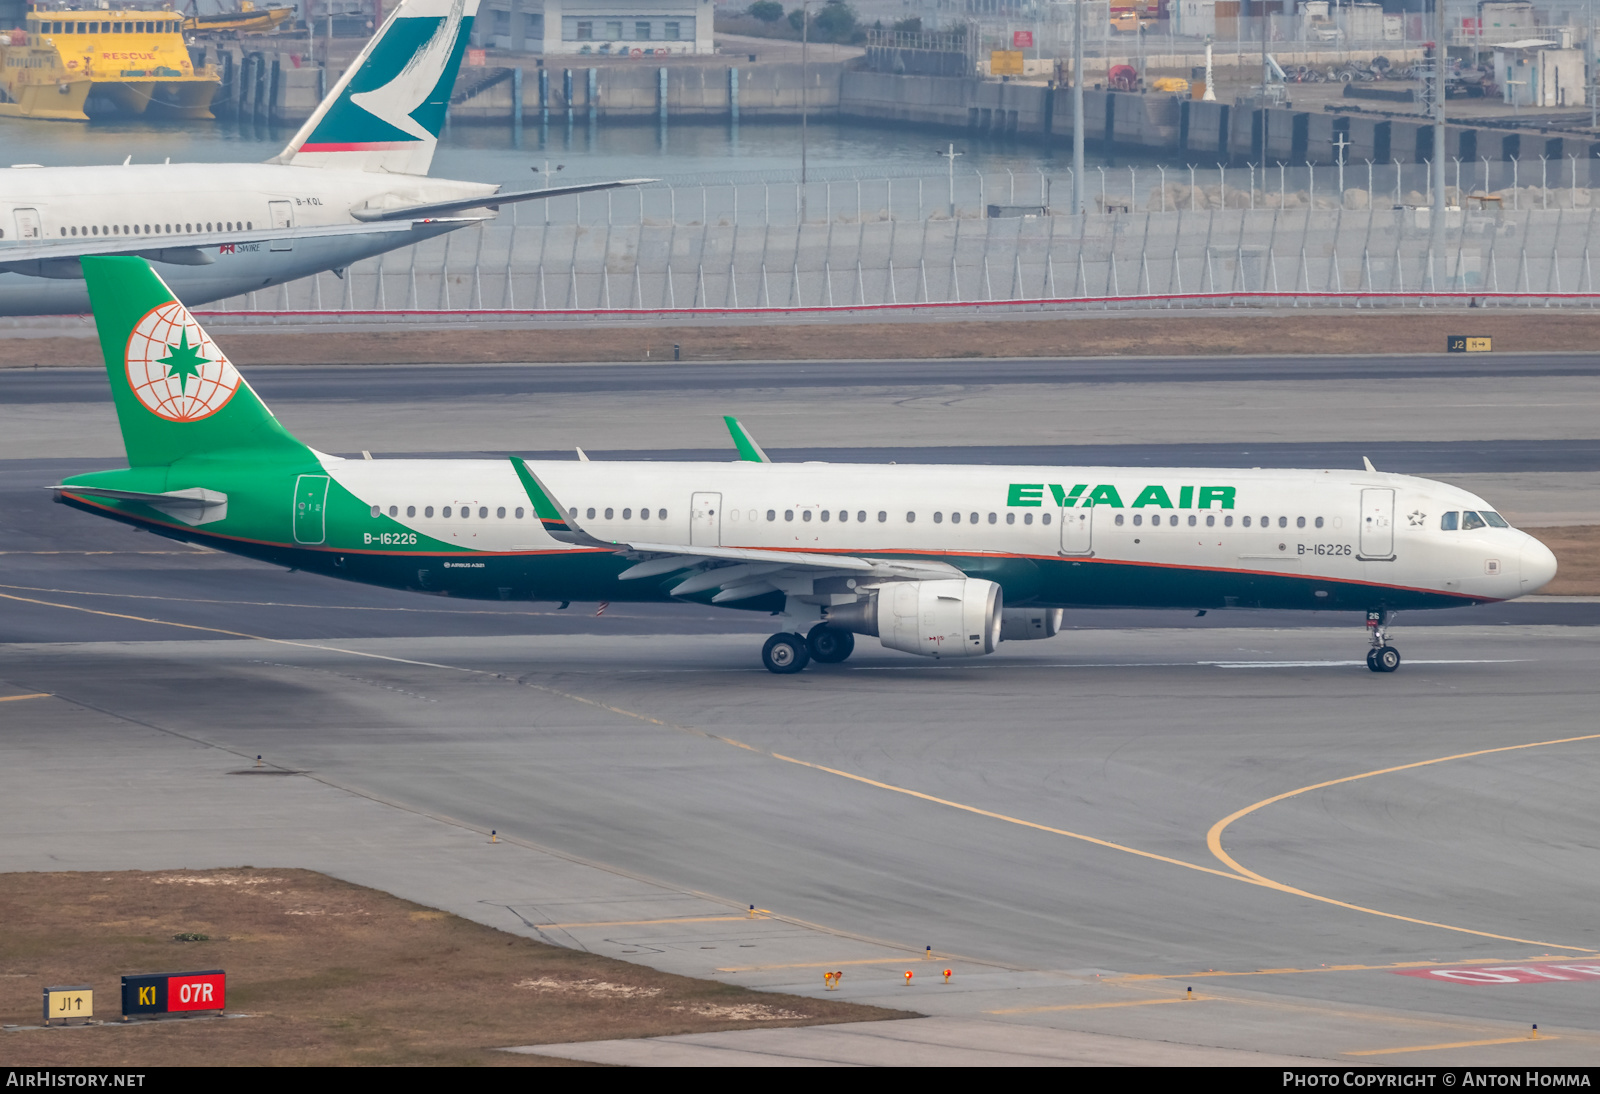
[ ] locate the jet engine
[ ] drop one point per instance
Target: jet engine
(1021, 624)
(946, 617)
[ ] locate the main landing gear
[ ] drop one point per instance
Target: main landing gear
(1382, 657)
(789, 653)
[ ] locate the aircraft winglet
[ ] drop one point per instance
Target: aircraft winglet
(1368, 463)
(749, 450)
(549, 511)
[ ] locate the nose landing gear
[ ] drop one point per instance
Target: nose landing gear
(1382, 657)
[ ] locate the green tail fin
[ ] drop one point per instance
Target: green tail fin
(176, 394)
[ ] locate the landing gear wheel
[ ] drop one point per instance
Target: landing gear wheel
(1372, 661)
(1385, 659)
(828, 645)
(785, 654)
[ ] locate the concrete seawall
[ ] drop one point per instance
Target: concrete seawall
(1191, 130)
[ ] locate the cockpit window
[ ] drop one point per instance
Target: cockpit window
(1495, 519)
(1448, 522)
(1470, 520)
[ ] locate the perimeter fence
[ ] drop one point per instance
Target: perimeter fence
(1151, 234)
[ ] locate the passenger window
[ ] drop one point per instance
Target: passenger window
(1283, 522)
(882, 516)
(1319, 522)
(861, 516)
(772, 514)
(591, 514)
(911, 518)
(483, 512)
(1173, 520)
(955, 518)
(501, 512)
(788, 514)
(938, 517)
(1495, 519)
(610, 513)
(1245, 522)
(1227, 522)
(1027, 518)
(1044, 518)
(428, 512)
(411, 510)
(1138, 519)
(1011, 518)
(1211, 520)
(627, 514)
(1470, 520)
(394, 510)
(661, 514)
(445, 512)
(827, 515)
(644, 514)
(1299, 522)
(972, 518)
(377, 511)
(993, 518)
(844, 514)
(1119, 520)
(805, 514)
(1193, 520)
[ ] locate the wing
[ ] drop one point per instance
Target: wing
(736, 573)
(488, 201)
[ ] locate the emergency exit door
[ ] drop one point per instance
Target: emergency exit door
(1377, 525)
(282, 217)
(29, 226)
(705, 520)
(1077, 531)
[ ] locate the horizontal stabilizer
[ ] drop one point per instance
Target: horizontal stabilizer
(193, 506)
(488, 201)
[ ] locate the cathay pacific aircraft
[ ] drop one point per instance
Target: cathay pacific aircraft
(939, 561)
(352, 183)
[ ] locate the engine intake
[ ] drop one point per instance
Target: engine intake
(948, 617)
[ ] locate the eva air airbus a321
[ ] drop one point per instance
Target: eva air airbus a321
(939, 561)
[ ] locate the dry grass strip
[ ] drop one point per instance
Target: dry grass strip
(1156, 334)
(332, 973)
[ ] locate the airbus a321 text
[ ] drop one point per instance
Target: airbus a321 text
(939, 561)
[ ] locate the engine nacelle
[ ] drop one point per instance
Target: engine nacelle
(954, 617)
(1022, 624)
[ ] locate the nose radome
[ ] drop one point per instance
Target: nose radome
(1538, 565)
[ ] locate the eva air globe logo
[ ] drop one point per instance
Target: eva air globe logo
(174, 368)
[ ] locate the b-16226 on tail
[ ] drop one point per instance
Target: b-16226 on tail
(939, 561)
(351, 184)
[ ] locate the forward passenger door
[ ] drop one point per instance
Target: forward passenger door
(1377, 525)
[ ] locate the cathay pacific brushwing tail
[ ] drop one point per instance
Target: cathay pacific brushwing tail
(934, 560)
(352, 183)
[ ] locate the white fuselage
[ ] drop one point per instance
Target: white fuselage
(1171, 536)
(147, 204)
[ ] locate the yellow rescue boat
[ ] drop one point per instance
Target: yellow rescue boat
(76, 65)
(247, 20)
